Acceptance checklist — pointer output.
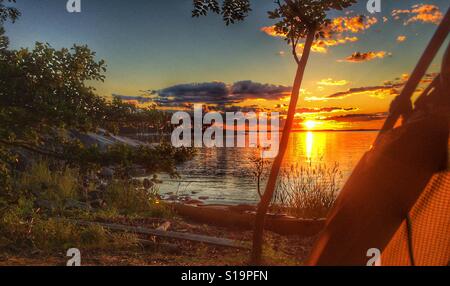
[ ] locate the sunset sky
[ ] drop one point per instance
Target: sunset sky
(156, 51)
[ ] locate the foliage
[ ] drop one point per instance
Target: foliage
(307, 191)
(231, 10)
(8, 12)
(297, 18)
(131, 200)
(45, 99)
(44, 191)
(42, 182)
(24, 231)
(260, 166)
(43, 95)
(128, 117)
(48, 187)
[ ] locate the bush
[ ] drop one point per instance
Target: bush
(54, 186)
(26, 225)
(307, 191)
(129, 199)
(21, 231)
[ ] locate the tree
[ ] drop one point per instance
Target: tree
(45, 101)
(297, 20)
(8, 12)
(259, 169)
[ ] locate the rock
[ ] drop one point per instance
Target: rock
(184, 198)
(102, 188)
(172, 198)
(147, 184)
(95, 195)
(44, 204)
(137, 171)
(164, 226)
(98, 204)
(203, 198)
(193, 202)
(107, 173)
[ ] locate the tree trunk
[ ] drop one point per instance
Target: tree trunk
(271, 184)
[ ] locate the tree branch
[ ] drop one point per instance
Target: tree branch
(32, 149)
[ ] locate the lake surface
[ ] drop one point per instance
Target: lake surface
(224, 174)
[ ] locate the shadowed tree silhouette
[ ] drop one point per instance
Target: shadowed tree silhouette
(47, 105)
(297, 20)
(8, 12)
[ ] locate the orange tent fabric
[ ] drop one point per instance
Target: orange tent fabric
(382, 190)
(429, 232)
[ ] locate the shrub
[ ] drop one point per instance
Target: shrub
(307, 191)
(130, 199)
(22, 232)
(54, 186)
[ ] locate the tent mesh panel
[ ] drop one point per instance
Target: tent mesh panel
(430, 231)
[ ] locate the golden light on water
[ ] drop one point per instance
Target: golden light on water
(314, 144)
(309, 144)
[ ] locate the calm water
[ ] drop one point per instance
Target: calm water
(224, 174)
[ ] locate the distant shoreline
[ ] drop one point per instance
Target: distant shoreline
(292, 131)
(333, 130)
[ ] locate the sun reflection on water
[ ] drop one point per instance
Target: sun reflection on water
(309, 145)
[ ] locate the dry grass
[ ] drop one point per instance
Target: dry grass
(307, 191)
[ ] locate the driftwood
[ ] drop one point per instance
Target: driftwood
(239, 218)
(223, 242)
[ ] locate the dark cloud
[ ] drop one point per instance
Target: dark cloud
(248, 89)
(218, 93)
(390, 88)
(326, 109)
(209, 92)
(358, 117)
(139, 99)
(359, 57)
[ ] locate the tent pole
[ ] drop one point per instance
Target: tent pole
(420, 70)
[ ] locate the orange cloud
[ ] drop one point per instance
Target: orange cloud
(322, 45)
(401, 39)
(270, 30)
(379, 92)
(333, 34)
(359, 57)
(424, 13)
(331, 82)
(321, 110)
(352, 24)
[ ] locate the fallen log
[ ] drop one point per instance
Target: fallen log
(231, 217)
(216, 241)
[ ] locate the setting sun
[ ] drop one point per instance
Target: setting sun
(310, 124)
